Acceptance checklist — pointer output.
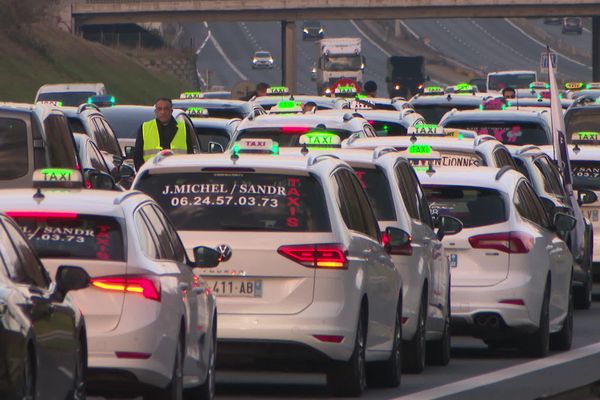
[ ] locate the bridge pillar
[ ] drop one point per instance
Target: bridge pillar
(596, 48)
(288, 55)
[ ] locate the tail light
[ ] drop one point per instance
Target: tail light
(147, 286)
(508, 242)
(294, 129)
(316, 255)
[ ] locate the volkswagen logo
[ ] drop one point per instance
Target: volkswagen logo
(225, 252)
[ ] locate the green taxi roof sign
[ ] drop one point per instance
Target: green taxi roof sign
(278, 90)
(589, 136)
(323, 139)
(197, 112)
(574, 85)
(426, 130)
(267, 146)
(421, 152)
(57, 178)
(190, 95)
(433, 90)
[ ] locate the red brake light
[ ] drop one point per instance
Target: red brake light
(42, 214)
(294, 129)
(514, 302)
(508, 242)
(316, 255)
(134, 355)
(329, 338)
(148, 287)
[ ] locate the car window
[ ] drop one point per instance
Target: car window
(96, 158)
(112, 144)
(211, 138)
(147, 238)
(29, 269)
(508, 132)
(407, 189)
(378, 189)
(423, 204)
(14, 151)
(552, 182)
(60, 146)
(178, 249)
(529, 206)
(347, 202)
(503, 157)
(100, 134)
(369, 220)
(166, 251)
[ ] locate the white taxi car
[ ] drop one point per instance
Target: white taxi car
(150, 321)
(455, 150)
(304, 276)
(511, 272)
(398, 201)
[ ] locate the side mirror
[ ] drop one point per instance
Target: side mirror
(586, 196)
(206, 257)
(117, 161)
(397, 241)
(70, 278)
(126, 171)
(564, 222)
(214, 147)
(447, 225)
(98, 180)
(129, 151)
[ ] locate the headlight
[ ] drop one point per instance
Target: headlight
(321, 30)
(270, 60)
(397, 87)
(254, 60)
(305, 30)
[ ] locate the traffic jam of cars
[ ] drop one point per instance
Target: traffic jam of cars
(343, 234)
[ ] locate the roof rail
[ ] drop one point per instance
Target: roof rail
(503, 170)
(85, 106)
(381, 150)
(482, 139)
(118, 200)
(525, 149)
(313, 159)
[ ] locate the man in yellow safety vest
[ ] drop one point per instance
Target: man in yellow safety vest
(163, 132)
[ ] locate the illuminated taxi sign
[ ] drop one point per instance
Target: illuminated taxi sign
(255, 146)
(539, 85)
(574, 85)
(190, 95)
(420, 152)
(54, 103)
(278, 91)
(102, 100)
(57, 178)
(197, 112)
(425, 130)
(593, 85)
(585, 136)
(464, 87)
(325, 139)
(286, 107)
(348, 89)
(362, 104)
(419, 149)
(433, 90)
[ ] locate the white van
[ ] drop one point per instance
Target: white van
(69, 94)
(496, 81)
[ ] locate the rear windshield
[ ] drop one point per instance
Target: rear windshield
(433, 114)
(87, 237)
(388, 128)
(515, 81)
(583, 120)
(262, 54)
(508, 132)
(14, 152)
(239, 201)
(475, 207)
(378, 189)
(72, 99)
(126, 123)
(286, 136)
(586, 174)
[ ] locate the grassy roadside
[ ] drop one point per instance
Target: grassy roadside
(46, 55)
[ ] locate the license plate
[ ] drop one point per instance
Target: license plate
(592, 215)
(453, 260)
(236, 287)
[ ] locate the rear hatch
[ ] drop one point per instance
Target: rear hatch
(248, 216)
(92, 242)
(512, 131)
(482, 212)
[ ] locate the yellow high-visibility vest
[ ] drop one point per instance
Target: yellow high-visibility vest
(152, 139)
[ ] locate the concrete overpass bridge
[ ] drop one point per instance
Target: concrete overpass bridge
(85, 12)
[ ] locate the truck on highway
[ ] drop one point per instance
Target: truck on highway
(405, 75)
(338, 58)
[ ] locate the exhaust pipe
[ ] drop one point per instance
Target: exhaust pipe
(490, 321)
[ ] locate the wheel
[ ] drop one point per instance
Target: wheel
(174, 390)
(29, 370)
(79, 387)
(583, 294)
(388, 373)
(563, 339)
(537, 344)
(438, 351)
(414, 350)
(206, 391)
(348, 378)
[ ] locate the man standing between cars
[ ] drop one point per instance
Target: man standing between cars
(370, 89)
(508, 93)
(163, 132)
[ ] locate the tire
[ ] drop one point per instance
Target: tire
(563, 339)
(206, 391)
(415, 349)
(174, 390)
(349, 378)
(79, 384)
(438, 351)
(29, 375)
(583, 294)
(388, 374)
(537, 344)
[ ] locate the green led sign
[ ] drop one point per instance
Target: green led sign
(419, 149)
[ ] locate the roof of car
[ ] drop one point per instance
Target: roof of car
(209, 122)
(449, 99)
(41, 110)
(434, 141)
(512, 114)
(333, 121)
(319, 100)
(485, 177)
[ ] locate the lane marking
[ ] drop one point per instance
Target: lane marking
(369, 39)
(222, 53)
(544, 46)
(504, 374)
(405, 25)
